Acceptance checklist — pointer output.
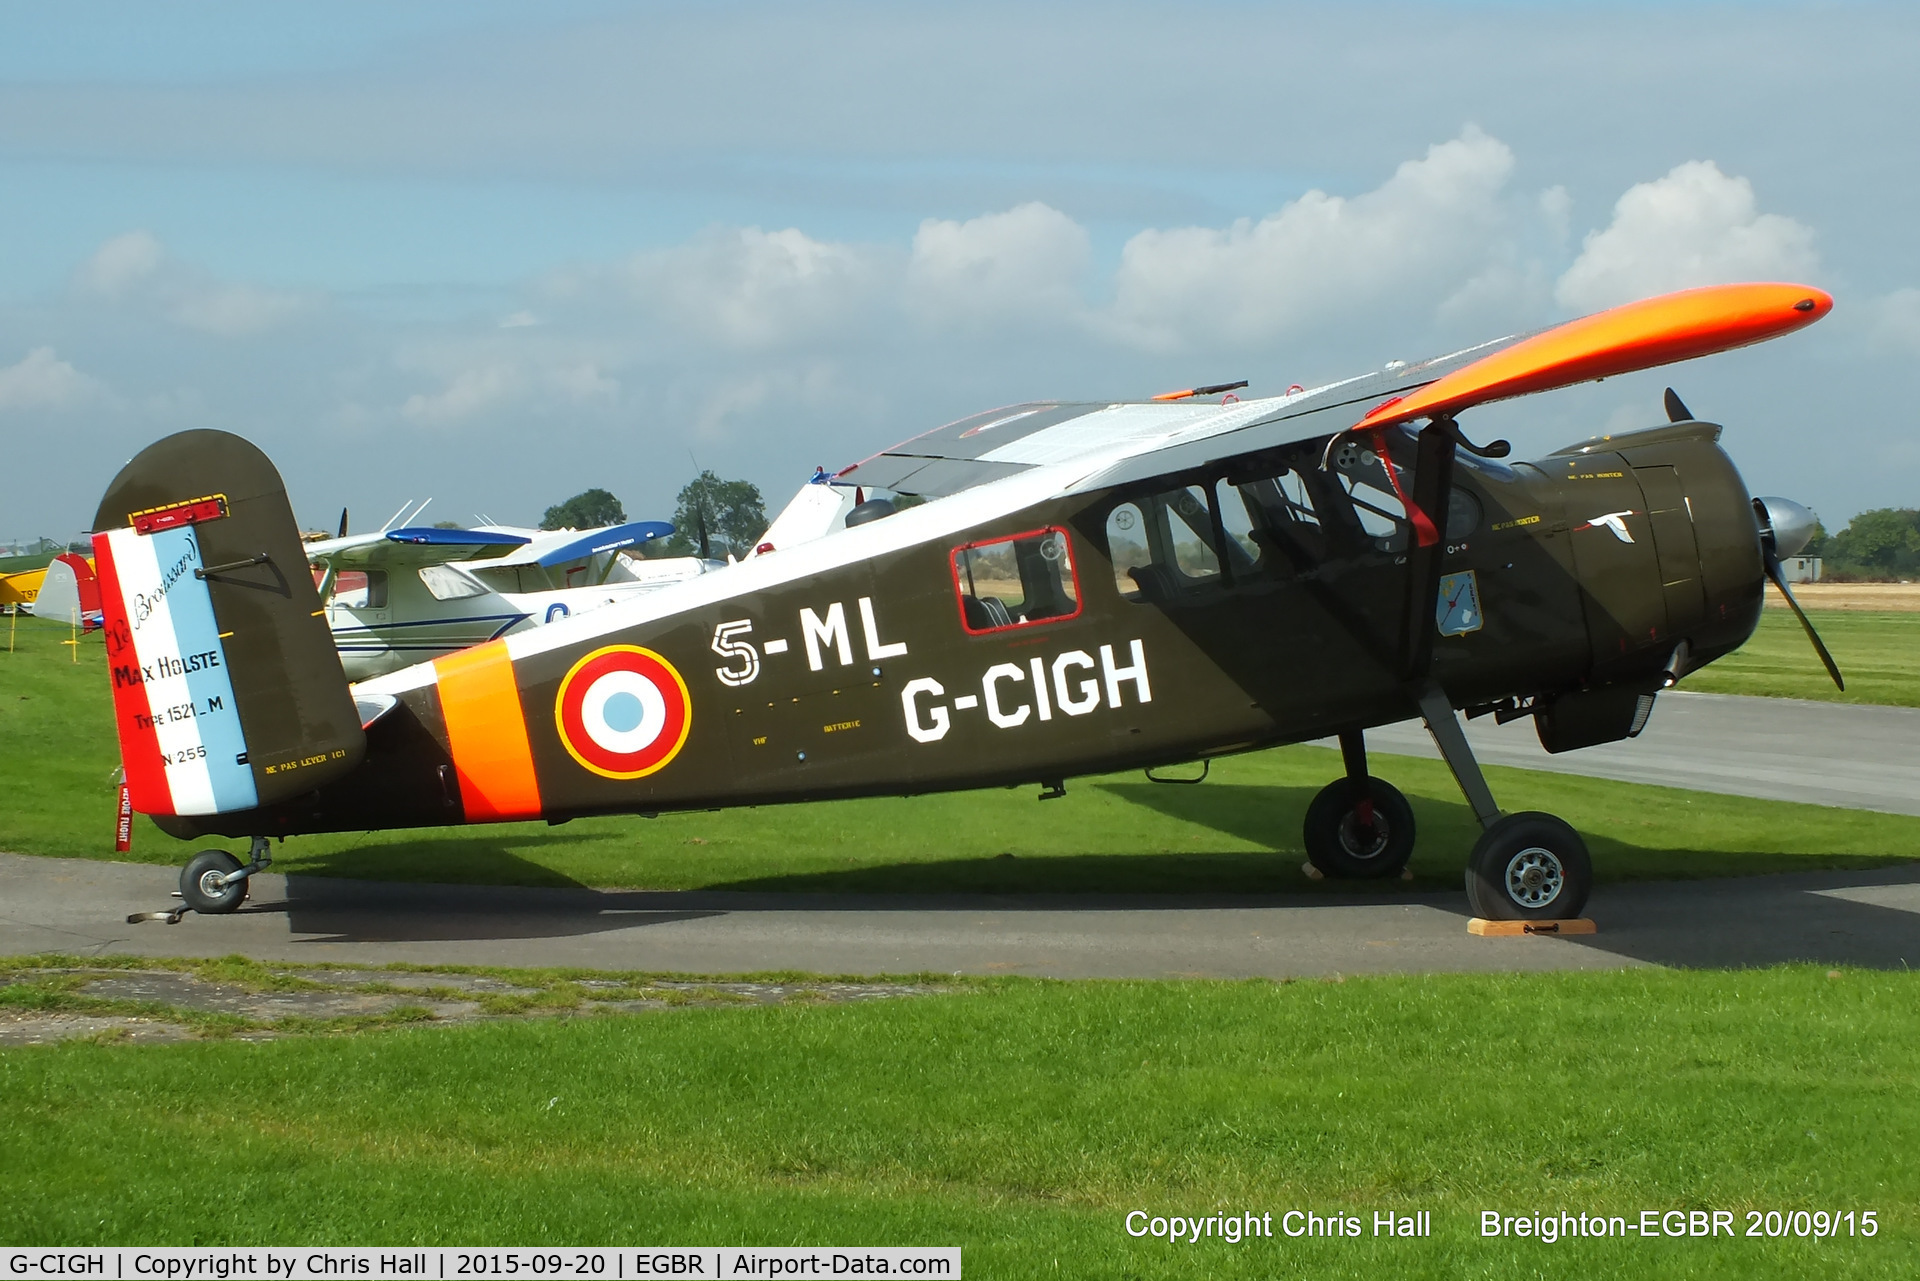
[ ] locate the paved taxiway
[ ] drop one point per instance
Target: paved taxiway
(1867, 757)
(80, 907)
(1855, 755)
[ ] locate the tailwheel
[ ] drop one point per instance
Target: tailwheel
(1529, 867)
(1361, 831)
(204, 883)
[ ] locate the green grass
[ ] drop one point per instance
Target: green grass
(1239, 832)
(1878, 654)
(21, 564)
(1022, 1120)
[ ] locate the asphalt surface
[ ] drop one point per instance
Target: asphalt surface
(1855, 755)
(78, 906)
(1861, 756)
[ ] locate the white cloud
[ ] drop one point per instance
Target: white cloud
(487, 378)
(1026, 263)
(582, 381)
(468, 392)
(1435, 222)
(752, 288)
(1696, 226)
(233, 311)
(1894, 321)
(136, 269)
(44, 381)
(122, 262)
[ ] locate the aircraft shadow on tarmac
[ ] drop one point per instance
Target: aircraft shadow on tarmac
(512, 898)
(1736, 921)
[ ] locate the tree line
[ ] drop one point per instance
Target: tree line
(1876, 545)
(730, 512)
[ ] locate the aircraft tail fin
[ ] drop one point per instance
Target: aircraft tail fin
(69, 593)
(228, 693)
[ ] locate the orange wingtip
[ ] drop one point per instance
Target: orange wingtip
(1639, 335)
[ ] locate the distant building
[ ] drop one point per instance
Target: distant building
(1801, 569)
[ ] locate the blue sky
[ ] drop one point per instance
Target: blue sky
(498, 253)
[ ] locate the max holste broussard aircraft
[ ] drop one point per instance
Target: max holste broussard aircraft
(1089, 587)
(395, 597)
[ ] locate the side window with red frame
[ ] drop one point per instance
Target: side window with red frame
(1011, 582)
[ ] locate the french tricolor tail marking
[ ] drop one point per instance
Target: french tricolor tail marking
(180, 735)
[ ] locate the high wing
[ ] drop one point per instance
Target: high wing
(412, 548)
(562, 546)
(1133, 440)
(1159, 435)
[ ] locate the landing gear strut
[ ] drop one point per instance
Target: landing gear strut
(214, 881)
(1525, 867)
(1359, 826)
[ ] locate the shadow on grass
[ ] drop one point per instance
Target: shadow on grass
(1447, 831)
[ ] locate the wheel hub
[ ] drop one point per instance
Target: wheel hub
(1535, 877)
(1364, 840)
(213, 883)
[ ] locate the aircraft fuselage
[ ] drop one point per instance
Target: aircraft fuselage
(1257, 600)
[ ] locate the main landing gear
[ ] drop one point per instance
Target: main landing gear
(1359, 827)
(1525, 867)
(214, 881)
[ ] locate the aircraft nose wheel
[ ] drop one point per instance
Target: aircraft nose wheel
(1529, 867)
(203, 886)
(1347, 836)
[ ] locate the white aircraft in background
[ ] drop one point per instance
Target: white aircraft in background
(396, 597)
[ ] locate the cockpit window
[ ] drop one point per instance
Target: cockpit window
(1013, 582)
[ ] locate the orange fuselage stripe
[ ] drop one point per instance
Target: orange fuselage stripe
(487, 733)
(1639, 335)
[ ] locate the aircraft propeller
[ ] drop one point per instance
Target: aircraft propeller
(343, 524)
(1785, 527)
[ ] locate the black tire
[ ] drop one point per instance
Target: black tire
(1529, 867)
(197, 888)
(1341, 844)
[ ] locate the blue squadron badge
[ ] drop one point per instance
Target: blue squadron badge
(1458, 609)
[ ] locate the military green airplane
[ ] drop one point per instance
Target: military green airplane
(1086, 588)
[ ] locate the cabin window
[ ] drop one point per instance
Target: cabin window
(1307, 514)
(1283, 524)
(1013, 582)
(448, 583)
(1127, 547)
(1237, 522)
(1164, 543)
(1190, 534)
(359, 589)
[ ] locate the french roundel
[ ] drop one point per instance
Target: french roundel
(623, 712)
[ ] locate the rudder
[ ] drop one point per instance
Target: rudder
(228, 694)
